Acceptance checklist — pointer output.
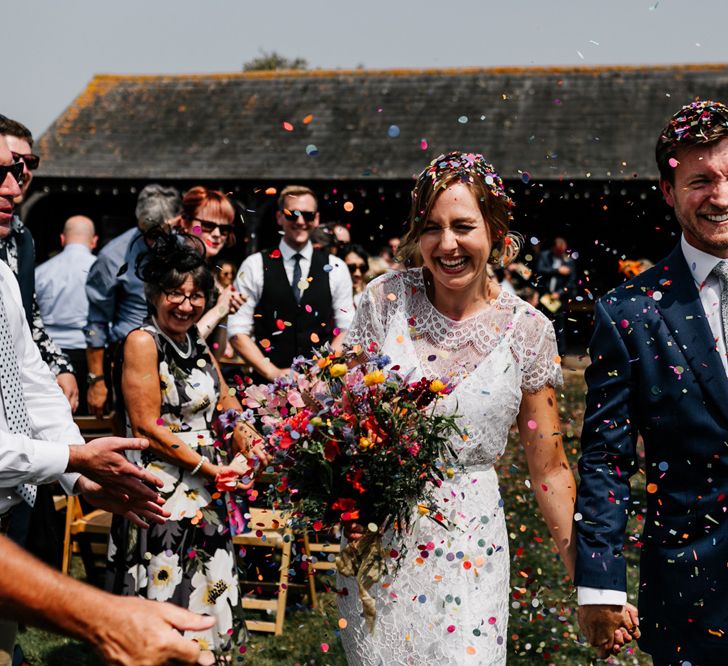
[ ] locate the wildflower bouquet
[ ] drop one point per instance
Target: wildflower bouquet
(353, 441)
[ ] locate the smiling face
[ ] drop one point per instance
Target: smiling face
(212, 225)
(699, 195)
(455, 243)
(292, 219)
(176, 318)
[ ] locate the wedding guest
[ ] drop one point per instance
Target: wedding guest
(659, 370)
(60, 285)
(210, 215)
(125, 631)
(17, 250)
(115, 293)
(294, 283)
(39, 442)
(377, 266)
(447, 319)
(356, 259)
(557, 270)
(225, 272)
(173, 393)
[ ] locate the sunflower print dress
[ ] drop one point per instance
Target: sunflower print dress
(189, 560)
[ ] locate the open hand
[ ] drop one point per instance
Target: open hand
(141, 508)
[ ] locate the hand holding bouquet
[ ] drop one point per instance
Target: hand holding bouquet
(353, 441)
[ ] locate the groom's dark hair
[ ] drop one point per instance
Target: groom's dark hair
(699, 123)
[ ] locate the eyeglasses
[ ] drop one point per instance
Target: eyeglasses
(208, 227)
(177, 298)
(16, 170)
(353, 268)
(31, 161)
(293, 215)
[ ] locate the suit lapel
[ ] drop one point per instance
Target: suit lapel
(683, 313)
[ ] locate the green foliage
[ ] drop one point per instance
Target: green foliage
(270, 61)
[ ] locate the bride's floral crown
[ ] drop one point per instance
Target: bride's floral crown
(467, 166)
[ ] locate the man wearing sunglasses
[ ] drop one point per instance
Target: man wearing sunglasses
(297, 297)
(17, 250)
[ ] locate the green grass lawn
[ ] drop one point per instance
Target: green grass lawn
(542, 625)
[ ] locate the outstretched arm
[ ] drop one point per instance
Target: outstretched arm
(127, 631)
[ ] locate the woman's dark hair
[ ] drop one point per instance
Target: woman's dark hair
(172, 257)
(356, 249)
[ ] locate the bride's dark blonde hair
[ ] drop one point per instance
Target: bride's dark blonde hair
(495, 205)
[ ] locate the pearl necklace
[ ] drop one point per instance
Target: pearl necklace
(183, 354)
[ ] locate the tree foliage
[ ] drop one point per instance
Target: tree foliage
(273, 60)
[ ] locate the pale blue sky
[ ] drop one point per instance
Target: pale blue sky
(56, 46)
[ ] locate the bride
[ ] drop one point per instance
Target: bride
(448, 603)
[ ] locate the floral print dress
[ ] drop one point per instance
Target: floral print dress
(189, 560)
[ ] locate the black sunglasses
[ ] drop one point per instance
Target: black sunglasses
(208, 226)
(362, 268)
(293, 215)
(15, 169)
(31, 161)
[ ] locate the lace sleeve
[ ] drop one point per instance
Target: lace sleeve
(541, 365)
(369, 321)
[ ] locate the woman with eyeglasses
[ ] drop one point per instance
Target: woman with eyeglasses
(175, 394)
(209, 215)
(356, 259)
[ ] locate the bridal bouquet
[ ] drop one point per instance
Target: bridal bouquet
(352, 441)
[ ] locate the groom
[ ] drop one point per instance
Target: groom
(659, 369)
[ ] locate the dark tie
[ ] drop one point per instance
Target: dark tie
(11, 390)
(721, 272)
(297, 293)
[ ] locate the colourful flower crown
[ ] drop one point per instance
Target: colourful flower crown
(468, 166)
(694, 120)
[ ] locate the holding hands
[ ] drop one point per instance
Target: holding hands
(608, 627)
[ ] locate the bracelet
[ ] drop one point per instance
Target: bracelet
(203, 459)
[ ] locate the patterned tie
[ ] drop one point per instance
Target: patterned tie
(297, 293)
(721, 272)
(11, 391)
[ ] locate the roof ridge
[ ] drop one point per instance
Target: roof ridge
(397, 72)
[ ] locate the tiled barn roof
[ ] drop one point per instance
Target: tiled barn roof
(551, 122)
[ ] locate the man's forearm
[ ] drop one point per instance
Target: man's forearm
(95, 360)
(33, 593)
(245, 347)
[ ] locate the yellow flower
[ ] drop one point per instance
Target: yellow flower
(338, 370)
(376, 377)
(436, 386)
(365, 443)
(316, 421)
(450, 472)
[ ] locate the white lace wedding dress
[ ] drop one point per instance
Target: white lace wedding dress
(448, 603)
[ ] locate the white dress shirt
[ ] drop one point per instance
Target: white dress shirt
(43, 457)
(700, 264)
(249, 282)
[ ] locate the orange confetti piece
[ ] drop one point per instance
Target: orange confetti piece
(343, 623)
(315, 338)
(348, 206)
(271, 190)
(265, 343)
(651, 488)
(391, 297)
(308, 119)
(470, 649)
(400, 339)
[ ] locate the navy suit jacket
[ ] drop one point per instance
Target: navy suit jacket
(656, 371)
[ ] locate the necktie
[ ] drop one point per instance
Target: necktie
(11, 390)
(721, 272)
(297, 293)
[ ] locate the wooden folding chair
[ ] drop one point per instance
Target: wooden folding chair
(87, 533)
(318, 556)
(267, 529)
